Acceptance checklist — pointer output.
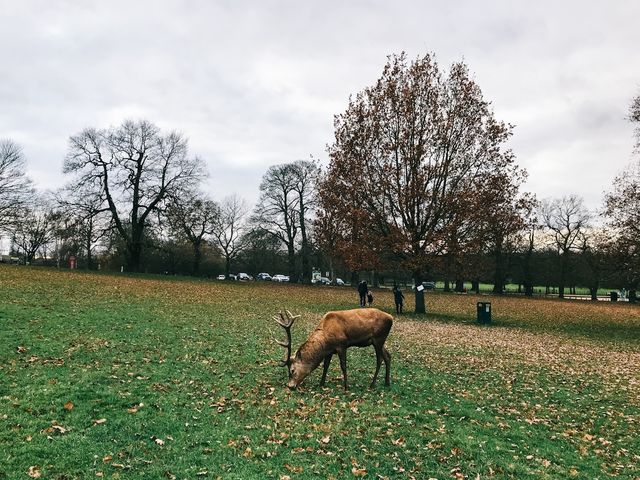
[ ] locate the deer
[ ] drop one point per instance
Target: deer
(336, 332)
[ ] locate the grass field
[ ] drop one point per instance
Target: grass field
(150, 377)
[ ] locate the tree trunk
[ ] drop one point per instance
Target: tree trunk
(498, 274)
(594, 293)
(459, 285)
(197, 258)
(306, 261)
(134, 249)
(291, 260)
(632, 296)
(447, 286)
(333, 274)
(526, 267)
(227, 265)
(89, 259)
(306, 264)
(134, 257)
(563, 274)
(417, 276)
(376, 280)
(475, 286)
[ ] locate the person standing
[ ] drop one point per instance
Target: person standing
(398, 298)
(363, 288)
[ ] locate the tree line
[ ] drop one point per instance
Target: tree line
(420, 185)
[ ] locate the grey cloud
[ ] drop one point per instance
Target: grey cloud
(256, 83)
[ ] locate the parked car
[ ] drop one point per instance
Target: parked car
(429, 285)
(232, 277)
(280, 278)
(264, 277)
(221, 277)
(245, 277)
(324, 281)
(340, 282)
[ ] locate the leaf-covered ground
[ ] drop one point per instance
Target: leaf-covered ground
(122, 377)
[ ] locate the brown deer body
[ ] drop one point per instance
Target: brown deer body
(336, 332)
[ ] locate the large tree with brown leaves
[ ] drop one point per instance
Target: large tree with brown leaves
(410, 157)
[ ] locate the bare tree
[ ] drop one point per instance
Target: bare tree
(85, 218)
(594, 250)
(33, 229)
(277, 211)
(527, 247)
(566, 219)
(506, 211)
(307, 174)
(194, 217)
(137, 169)
(15, 187)
(230, 228)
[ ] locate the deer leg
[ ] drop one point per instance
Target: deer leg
(327, 361)
(387, 364)
(342, 355)
(378, 363)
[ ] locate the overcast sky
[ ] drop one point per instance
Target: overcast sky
(257, 83)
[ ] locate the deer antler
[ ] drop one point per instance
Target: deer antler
(286, 323)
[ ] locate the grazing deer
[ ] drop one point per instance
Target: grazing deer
(336, 332)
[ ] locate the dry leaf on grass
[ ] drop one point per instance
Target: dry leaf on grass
(34, 471)
(359, 472)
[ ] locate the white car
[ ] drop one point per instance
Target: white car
(244, 277)
(339, 282)
(221, 277)
(279, 278)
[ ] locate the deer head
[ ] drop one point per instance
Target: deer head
(286, 322)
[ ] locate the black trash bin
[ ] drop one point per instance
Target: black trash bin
(613, 296)
(484, 312)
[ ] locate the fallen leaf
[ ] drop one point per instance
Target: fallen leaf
(107, 458)
(248, 452)
(326, 439)
(100, 421)
(34, 471)
(359, 472)
(59, 428)
(21, 349)
(68, 406)
(159, 441)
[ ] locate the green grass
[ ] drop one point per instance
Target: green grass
(177, 378)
